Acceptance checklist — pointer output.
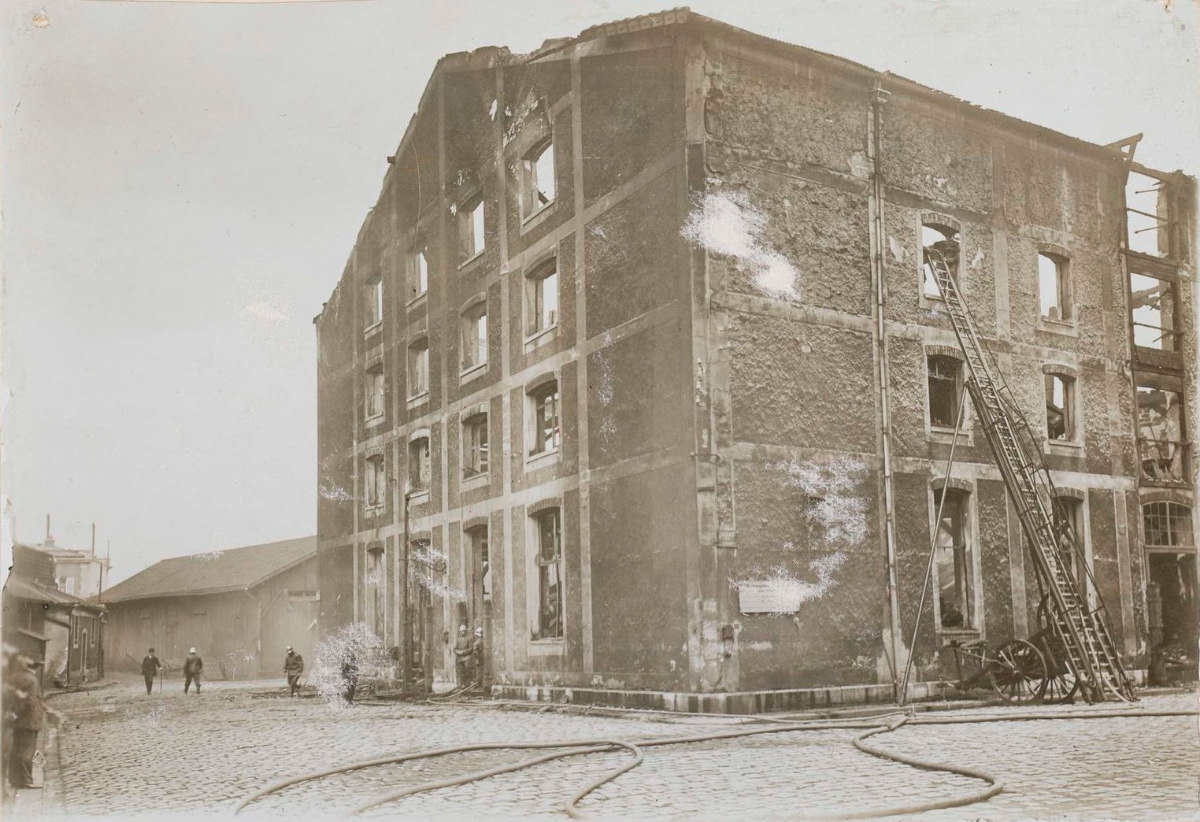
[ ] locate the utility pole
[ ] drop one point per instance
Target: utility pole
(93, 539)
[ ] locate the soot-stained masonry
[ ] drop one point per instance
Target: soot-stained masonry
(637, 353)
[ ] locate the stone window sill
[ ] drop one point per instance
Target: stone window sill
(471, 372)
(538, 217)
(541, 459)
(540, 338)
(1067, 328)
(546, 647)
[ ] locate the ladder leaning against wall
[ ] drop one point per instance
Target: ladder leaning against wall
(1071, 608)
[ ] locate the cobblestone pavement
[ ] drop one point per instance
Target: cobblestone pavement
(122, 754)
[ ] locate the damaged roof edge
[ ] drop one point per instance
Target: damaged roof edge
(493, 57)
(872, 76)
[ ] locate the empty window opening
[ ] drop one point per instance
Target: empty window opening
(547, 435)
(470, 229)
(418, 275)
(547, 621)
(479, 548)
(1173, 635)
(375, 392)
(1053, 296)
(376, 481)
(538, 186)
(418, 368)
(1073, 551)
(944, 241)
(374, 303)
(945, 390)
(475, 336)
(541, 298)
(475, 445)
(1060, 407)
(955, 563)
(418, 465)
(1161, 445)
(375, 581)
(1153, 302)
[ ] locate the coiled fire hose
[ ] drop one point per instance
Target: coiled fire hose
(577, 747)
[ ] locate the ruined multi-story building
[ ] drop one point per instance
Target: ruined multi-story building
(635, 365)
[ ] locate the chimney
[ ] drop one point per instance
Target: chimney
(93, 539)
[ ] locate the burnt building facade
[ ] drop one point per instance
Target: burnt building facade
(635, 365)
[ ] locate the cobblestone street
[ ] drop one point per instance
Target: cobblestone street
(122, 753)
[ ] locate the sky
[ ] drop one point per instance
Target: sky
(181, 185)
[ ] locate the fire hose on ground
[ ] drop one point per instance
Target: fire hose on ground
(578, 747)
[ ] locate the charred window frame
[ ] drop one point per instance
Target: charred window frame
(418, 273)
(474, 328)
(547, 620)
(541, 299)
(1079, 554)
(546, 429)
(478, 537)
(954, 566)
(375, 391)
(418, 466)
(945, 379)
(373, 303)
(376, 482)
(475, 446)
(375, 580)
(1163, 448)
(1061, 411)
(1054, 288)
(472, 237)
(945, 239)
(418, 368)
(538, 183)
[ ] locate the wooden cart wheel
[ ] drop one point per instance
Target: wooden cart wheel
(1018, 671)
(1061, 683)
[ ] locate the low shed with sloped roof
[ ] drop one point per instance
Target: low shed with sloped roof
(240, 608)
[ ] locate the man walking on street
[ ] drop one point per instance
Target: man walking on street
(150, 668)
(193, 666)
(27, 713)
(462, 656)
(293, 666)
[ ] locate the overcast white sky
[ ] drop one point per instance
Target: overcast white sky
(181, 185)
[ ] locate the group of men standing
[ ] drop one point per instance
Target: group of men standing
(468, 658)
(193, 667)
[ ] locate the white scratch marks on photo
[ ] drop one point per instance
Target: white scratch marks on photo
(833, 504)
(729, 225)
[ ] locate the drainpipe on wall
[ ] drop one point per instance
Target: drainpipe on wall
(405, 628)
(878, 236)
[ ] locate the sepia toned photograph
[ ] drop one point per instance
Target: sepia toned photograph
(587, 409)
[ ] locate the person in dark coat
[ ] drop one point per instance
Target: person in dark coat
(193, 666)
(349, 676)
(477, 658)
(293, 666)
(150, 668)
(26, 712)
(462, 657)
